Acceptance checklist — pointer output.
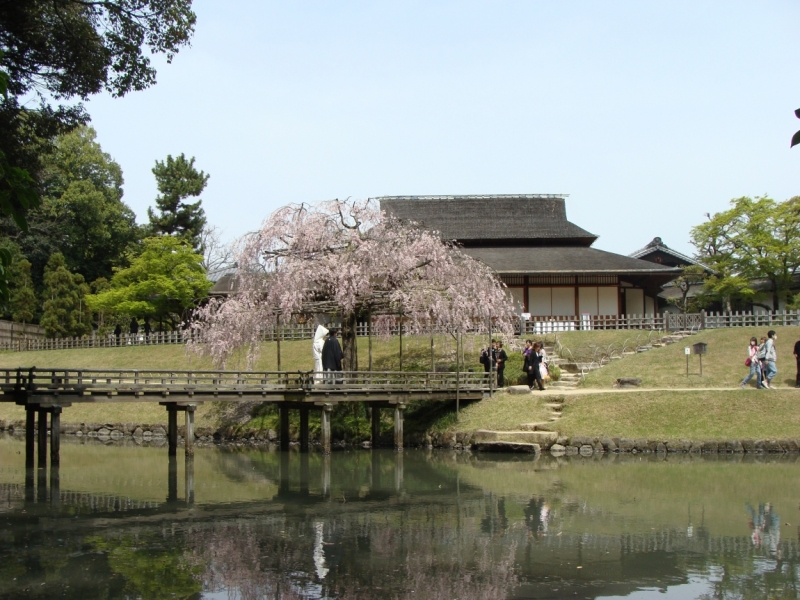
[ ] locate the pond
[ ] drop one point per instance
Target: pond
(118, 521)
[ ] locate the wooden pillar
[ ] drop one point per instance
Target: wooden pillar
(189, 437)
(278, 338)
(30, 436)
(376, 426)
(55, 486)
(398, 426)
(304, 474)
(41, 485)
(42, 450)
(304, 429)
(172, 476)
(189, 476)
(326, 428)
(369, 338)
(283, 481)
(284, 410)
(55, 436)
(326, 475)
(172, 430)
(398, 472)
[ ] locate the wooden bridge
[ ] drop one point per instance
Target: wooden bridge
(50, 391)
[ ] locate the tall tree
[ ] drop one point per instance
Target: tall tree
(23, 304)
(164, 282)
(757, 238)
(55, 51)
(82, 214)
(178, 180)
(348, 259)
(64, 308)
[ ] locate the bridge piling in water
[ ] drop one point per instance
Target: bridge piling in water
(55, 437)
(42, 426)
(304, 429)
(284, 427)
(189, 433)
(376, 426)
(172, 429)
(30, 436)
(326, 428)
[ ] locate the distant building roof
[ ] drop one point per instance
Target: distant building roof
(492, 219)
(654, 249)
(565, 260)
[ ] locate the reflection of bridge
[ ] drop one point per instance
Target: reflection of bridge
(49, 391)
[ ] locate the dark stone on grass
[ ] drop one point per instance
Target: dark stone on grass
(759, 445)
(737, 447)
(696, 448)
(790, 445)
(749, 446)
(579, 440)
(773, 446)
(625, 444)
(571, 450)
(609, 445)
(640, 445)
(710, 447)
(627, 382)
(598, 448)
(562, 440)
(661, 448)
(586, 450)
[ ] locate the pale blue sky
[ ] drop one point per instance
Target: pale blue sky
(648, 114)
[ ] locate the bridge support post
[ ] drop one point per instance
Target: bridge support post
(398, 472)
(398, 426)
(304, 474)
(189, 475)
(326, 428)
(172, 479)
(55, 437)
(304, 429)
(376, 426)
(30, 436)
(284, 427)
(172, 429)
(55, 487)
(189, 436)
(42, 449)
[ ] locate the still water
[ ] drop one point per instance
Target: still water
(124, 522)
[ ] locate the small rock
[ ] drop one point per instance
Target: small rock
(586, 450)
(272, 435)
(640, 445)
(696, 447)
(579, 440)
(773, 446)
(625, 444)
(518, 389)
(661, 448)
(598, 448)
(609, 444)
(789, 445)
(710, 447)
(116, 434)
(103, 432)
(79, 433)
(571, 450)
(557, 450)
(147, 435)
(749, 446)
(737, 447)
(137, 433)
(562, 440)
(627, 382)
(159, 431)
(759, 446)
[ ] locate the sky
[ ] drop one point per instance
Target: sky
(648, 114)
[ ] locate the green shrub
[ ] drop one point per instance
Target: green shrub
(555, 372)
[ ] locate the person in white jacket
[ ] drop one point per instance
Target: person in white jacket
(319, 342)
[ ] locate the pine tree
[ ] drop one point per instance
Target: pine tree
(65, 312)
(23, 302)
(177, 180)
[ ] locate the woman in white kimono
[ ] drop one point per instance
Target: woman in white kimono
(319, 341)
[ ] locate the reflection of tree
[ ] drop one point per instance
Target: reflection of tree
(150, 571)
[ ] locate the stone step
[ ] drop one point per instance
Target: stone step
(563, 384)
(544, 438)
(542, 426)
(554, 406)
(502, 446)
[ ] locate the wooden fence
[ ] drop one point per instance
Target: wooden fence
(534, 325)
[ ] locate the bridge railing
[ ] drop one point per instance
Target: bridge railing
(44, 381)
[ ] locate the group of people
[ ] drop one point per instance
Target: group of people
(534, 357)
(134, 329)
(762, 360)
(328, 354)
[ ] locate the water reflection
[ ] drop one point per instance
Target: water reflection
(127, 522)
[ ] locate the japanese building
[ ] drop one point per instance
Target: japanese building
(547, 262)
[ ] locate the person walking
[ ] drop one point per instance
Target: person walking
(754, 364)
(527, 363)
(501, 358)
(537, 358)
(770, 359)
(797, 359)
(332, 356)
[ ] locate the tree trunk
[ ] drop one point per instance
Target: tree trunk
(349, 342)
(775, 297)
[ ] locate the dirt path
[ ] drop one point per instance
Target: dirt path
(585, 391)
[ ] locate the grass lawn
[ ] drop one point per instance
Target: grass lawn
(723, 366)
(505, 412)
(695, 415)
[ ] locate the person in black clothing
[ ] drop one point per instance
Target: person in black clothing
(501, 358)
(531, 366)
(147, 328)
(797, 358)
(118, 332)
(489, 357)
(134, 326)
(331, 355)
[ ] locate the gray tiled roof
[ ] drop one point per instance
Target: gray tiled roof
(519, 218)
(564, 260)
(657, 245)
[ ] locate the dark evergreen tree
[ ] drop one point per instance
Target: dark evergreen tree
(178, 180)
(64, 308)
(23, 304)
